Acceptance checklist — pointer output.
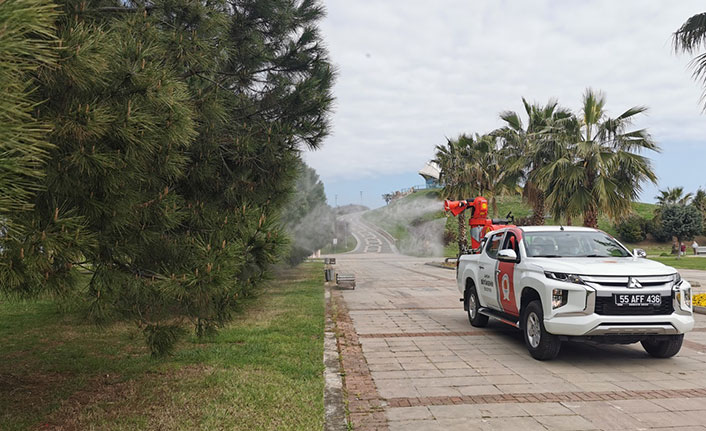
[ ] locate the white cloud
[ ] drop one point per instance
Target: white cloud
(412, 72)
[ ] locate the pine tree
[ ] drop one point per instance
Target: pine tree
(27, 45)
(176, 131)
(264, 92)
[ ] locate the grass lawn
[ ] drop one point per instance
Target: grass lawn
(685, 262)
(262, 372)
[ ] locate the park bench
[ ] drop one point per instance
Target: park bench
(345, 281)
(701, 250)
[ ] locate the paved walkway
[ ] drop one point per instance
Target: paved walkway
(413, 362)
(696, 277)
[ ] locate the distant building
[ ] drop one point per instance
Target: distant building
(430, 172)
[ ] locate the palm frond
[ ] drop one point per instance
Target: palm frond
(691, 36)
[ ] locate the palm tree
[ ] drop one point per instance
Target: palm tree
(472, 165)
(690, 38)
(493, 175)
(673, 196)
(531, 147)
(452, 176)
(699, 200)
(601, 169)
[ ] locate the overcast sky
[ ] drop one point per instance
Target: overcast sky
(413, 72)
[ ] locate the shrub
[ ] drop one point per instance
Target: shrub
(683, 222)
(632, 229)
(450, 231)
(655, 228)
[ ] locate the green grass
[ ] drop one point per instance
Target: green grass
(685, 262)
(263, 371)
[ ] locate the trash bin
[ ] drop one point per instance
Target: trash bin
(328, 274)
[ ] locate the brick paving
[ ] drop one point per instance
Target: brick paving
(412, 362)
(421, 334)
(365, 405)
(547, 397)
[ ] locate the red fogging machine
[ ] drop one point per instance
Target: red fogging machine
(478, 221)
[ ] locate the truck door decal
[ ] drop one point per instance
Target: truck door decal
(506, 283)
(506, 275)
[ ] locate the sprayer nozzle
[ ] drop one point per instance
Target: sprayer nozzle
(456, 207)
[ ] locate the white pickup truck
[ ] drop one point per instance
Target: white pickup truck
(557, 283)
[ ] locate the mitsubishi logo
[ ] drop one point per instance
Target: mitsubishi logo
(633, 283)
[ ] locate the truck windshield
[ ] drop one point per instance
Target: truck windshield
(572, 244)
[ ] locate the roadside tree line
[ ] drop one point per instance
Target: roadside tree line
(149, 148)
(569, 165)
(678, 215)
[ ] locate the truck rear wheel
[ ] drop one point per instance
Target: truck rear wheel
(541, 344)
(478, 320)
(663, 347)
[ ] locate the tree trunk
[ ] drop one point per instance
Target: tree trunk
(494, 204)
(568, 220)
(538, 210)
(678, 248)
(590, 217)
(462, 237)
(590, 214)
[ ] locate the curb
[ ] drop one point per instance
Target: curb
(334, 408)
(699, 310)
(439, 265)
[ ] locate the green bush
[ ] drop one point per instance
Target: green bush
(683, 222)
(655, 228)
(632, 229)
(450, 231)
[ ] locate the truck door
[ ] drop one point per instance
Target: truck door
(487, 265)
(506, 276)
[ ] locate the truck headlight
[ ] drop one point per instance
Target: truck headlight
(560, 276)
(676, 279)
(559, 297)
(682, 296)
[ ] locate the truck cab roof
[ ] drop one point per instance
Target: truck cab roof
(558, 228)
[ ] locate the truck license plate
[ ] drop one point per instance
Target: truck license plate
(637, 299)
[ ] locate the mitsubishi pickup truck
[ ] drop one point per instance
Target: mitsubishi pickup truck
(559, 283)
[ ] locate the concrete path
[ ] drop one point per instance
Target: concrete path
(413, 362)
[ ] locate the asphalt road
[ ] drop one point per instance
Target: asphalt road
(370, 238)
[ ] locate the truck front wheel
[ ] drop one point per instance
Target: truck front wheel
(541, 344)
(663, 347)
(478, 320)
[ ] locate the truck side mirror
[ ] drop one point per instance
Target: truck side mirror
(638, 252)
(507, 255)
